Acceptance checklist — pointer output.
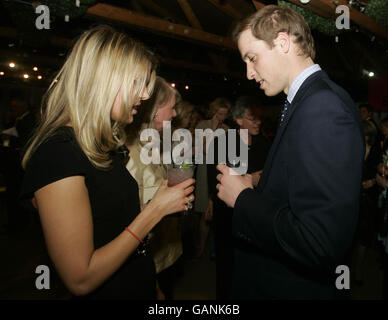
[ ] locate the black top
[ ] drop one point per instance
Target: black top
(114, 201)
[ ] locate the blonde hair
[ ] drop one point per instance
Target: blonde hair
(102, 62)
(217, 104)
(162, 93)
(184, 110)
(195, 118)
(267, 22)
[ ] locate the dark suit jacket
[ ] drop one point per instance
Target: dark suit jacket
(298, 224)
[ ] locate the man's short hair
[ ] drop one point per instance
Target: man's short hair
(242, 103)
(267, 22)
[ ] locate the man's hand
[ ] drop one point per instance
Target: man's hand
(230, 186)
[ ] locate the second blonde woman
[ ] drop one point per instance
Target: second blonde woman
(165, 242)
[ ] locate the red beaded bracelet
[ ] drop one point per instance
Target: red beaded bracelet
(134, 235)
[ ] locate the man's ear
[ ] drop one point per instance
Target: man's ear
(283, 41)
(239, 121)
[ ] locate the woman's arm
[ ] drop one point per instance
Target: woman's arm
(66, 218)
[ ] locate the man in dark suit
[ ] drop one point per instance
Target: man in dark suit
(299, 223)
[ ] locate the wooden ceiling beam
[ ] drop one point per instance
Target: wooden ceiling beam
(200, 67)
(67, 43)
(227, 9)
(190, 14)
(109, 12)
(6, 32)
(360, 18)
(31, 59)
(151, 5)
(326, 9)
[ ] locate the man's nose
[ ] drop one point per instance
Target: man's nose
(250, 72)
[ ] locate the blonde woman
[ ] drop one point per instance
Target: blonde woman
(165, 242)
(75, 170)
(185, 111)
(218, 112)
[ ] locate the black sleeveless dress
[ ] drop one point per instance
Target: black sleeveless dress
(114, 200)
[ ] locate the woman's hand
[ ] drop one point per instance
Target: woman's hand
(169, 200)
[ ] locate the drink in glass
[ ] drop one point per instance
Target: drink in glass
(179, 173)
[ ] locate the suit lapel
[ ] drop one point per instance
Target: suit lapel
(294, 105)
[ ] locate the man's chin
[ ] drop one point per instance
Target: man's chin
(269, 93)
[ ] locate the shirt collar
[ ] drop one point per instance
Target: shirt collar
(298, 81)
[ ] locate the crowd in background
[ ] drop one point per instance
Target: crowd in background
(116, 227)
(177, 237)
(185, 236)
(372, 231)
